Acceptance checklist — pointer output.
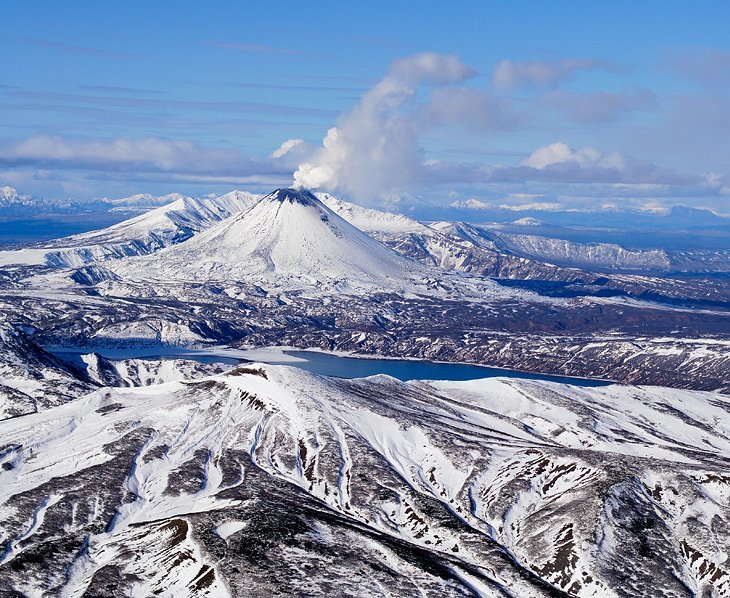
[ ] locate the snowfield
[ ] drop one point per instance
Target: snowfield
(267, 479)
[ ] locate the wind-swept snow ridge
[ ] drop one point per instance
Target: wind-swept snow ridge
(267, 480)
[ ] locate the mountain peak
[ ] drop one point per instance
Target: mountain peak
(300, 196)
(7, 193)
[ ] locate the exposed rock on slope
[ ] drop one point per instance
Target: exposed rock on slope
(30, 378)
(268, 480)
(145, 372)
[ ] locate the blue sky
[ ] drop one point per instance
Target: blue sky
(575, 103)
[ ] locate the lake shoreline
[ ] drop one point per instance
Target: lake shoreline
(329, 363)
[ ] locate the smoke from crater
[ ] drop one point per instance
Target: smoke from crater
(375, 147)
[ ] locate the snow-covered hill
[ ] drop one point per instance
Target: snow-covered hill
(480, 250)
(181, 218)
(591, 255)
(13, 203)
(608, 216)
(144, 372)
(490, 251)
(459, 247)
(297, 280)
(144, 234)
(141, 201)
(528, 221)
(267, 480)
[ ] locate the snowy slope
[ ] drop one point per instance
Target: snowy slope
(450, 249)
(369, 220)
(30, 378)
(452, 246)
(594, 255)
(140, 201)
(144, 234)
(288, 240)
(266, 480)
(488, 251)
(528, 221)
(145, 372)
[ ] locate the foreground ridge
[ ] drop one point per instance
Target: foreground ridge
(267, 479)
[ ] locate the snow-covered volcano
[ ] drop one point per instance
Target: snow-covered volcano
(290, 240)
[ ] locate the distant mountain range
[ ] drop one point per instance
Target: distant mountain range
(254, 235)
(15, 204)
(473, 210)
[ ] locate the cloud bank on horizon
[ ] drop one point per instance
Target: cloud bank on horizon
(382, 146)
(376, 148)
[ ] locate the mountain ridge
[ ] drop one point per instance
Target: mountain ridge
(146, 233)
(272, 480)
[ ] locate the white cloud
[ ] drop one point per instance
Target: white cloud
(132, 157)
(708, 68)
(119, 154)
(559, 162)
(597, 107)
(376, 147)
(473, 108)
(524, 196)
(477, 204)
(559, 165)
(510, 74)
(561, 153)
